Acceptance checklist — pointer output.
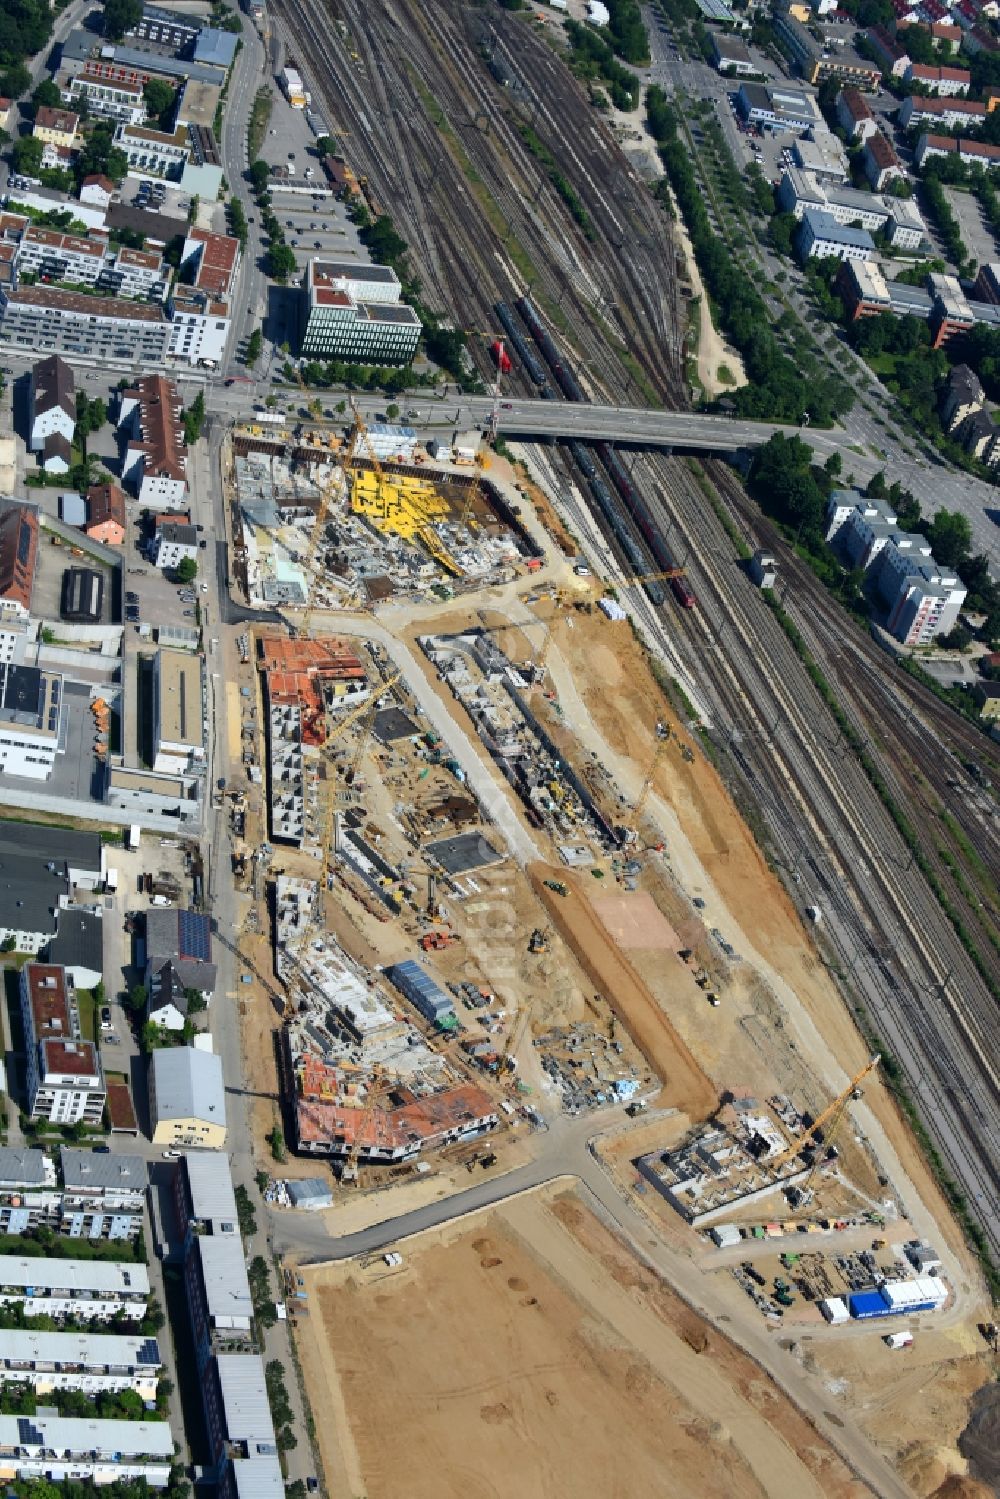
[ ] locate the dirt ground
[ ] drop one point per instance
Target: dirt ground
(573, 1342)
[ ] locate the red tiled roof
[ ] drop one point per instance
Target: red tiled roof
(63, 120)
(418, 1123)
(18, 553)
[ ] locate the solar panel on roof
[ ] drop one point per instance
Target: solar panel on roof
(24, 535)
(193, 935)
(149, 1352)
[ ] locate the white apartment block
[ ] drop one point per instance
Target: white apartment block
(153, 153)
(74, 1288)
(53, 256)
(65, 1083)
(61, 1449)
(927, 604)
(199, 328)
(800, 191)
(174, 544)
(901, 556)
(137, 273)
(31, 720)
(112, 99)
(89, 1362)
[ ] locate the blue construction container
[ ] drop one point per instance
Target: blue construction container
(864, 1304)
(422, 991)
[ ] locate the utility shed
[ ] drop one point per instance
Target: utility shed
(424, 993)
(311, 1193)
(763, 568)
(726, 1235)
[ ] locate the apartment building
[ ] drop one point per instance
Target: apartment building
(107, 518)
(92, 1363)
(62, 1449)
(220, 1307)
(56, 127)
(211, 261)
(68, 322)
(52, 256)
(74, 1288)
(154, 153)
(819, 62)
(898, 218)
(51, 402)
(175, 543)
(935, 114)
(341, 325)
(199, 327)
(203, 1195)
(880, 162)
(240, 1429)
(155, 458)
(97, 190)
(854, 115)
(184, 940)
(946, 83)
(136, 273)
(927, 603)
(65, 1081)
(166, 28)
(118, 99)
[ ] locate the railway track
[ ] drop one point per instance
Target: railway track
(425, 58)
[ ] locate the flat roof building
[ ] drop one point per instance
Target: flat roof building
(342, 324)
(61, 1448)
(220, 1305)
(39, 868)
(187, 1098)
(31, 720)
(65, 1082)
(34, 318)
(89, 1362)
(178, 711)
(82, 598)
(80, 1288)
(821, 236)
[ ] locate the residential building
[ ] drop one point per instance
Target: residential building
(184, 940)
(818, 62)
(5, 104)
(119, 99)
(240, 1429)
(822, 155)
(167, 28)
(97, 190)
(898, 218)
(51, 255)
(56, 127)
(930, 145)
(31, 720)
(107, 519)
(75, 1288)
(199, 328)
(57, 454)
(187, 1099)
(203, 1195)
(92, 1363)
(153, 153)
(880, 161)
(889, 50)
(980, 437)
(64, 1082)
(771, 108)
(840, 506)
(40, 870)
(867, 531)
(821, 236)
(952, 114)
(731, 55)
(167, 1005)
(114, 1183)
(853, 114)
(220, 1307)
(962, 397)
(105, 328)
(175, 544)
(212, 261)
(178, 711)
(945, 82)
(23, 1168)
(155, 458)
(18, 555)
(51, 402)
(342, 327)
(928, 603)
(62, 1449)
(136, 273)
(987, 283)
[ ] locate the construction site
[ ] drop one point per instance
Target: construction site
(322, 521)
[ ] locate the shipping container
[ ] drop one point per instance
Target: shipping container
(865, 1304)
(834, 1310)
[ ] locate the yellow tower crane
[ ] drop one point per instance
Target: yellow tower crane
(662, 740)
(663, 577)
(832, 1115)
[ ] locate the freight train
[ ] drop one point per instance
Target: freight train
(517, 342)
(618, 474)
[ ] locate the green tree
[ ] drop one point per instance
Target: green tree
(255, 345)
(8, 944)
(276, 1140)
(120, 16)
(159, 99)
(26, 156)
(281, 262)
(950, 536)
(187, 570)
(137, 997)
(259, 174)
(194, 419)
(47, 94)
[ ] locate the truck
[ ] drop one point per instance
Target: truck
(898, 1340)
(134, 835)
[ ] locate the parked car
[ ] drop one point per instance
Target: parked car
(105, 1017)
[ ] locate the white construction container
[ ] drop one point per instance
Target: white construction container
(899, 1340)
(834, 1310)
(726, 1235)
(923, 1294)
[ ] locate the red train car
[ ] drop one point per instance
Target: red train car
(682, 593)
(500, 356)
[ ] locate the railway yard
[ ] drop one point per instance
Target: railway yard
(521, 929)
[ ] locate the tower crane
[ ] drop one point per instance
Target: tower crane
(661, 577)
(662, 740)
(832, 1115)
(376, 1090)
(514, 1037)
